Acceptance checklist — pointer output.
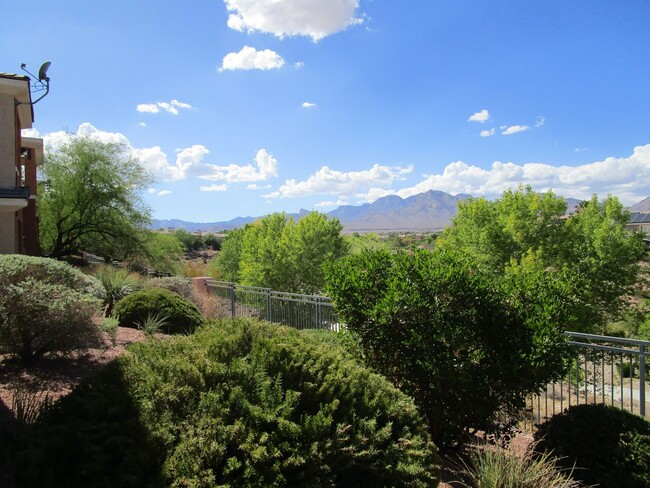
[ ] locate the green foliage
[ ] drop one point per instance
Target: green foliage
(117, 283)
(358, 243)
(226, 265)
(447, 335)
(91, 200)
(497, 467)
(240, 403)
(38, 318)
(109, 326)
(597, 258)
(178, 284)
(280, 253)
(162, 252)
(183, 316)
(16, 268)
(609, 446)
(153, 324)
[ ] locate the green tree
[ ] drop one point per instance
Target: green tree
(163, 251)
(91, 200)
(280, 253)
(590, 248)
(226, 265)
(462, 344)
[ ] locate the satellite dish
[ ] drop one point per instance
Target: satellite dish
(42, 73)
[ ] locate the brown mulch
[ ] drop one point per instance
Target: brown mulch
(57, 376)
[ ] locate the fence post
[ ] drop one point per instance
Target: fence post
(642, 379)
(232, 300)
(269, 314)
(318, 313)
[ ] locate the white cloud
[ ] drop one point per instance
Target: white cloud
(214, 188)
(482, 116)
(311, 18)
(308, 105)
(151, 190)
(142, 124)
(254, 186)
(487, 133)
(251, 58)
(628, 178)
(337, 203)
(189, 161)
(169, 107)
(540, 121)
(580, 149)
(164, 192)
(29, 133)
(327, 181)
(299, 65)
(513, 129)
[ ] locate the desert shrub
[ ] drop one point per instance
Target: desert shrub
(38, 318)
(503, 467)
(178, 284)
(182, 316)
(447, 334)
(16, 268)
(117, 283)
(239, 403)
(611, 447)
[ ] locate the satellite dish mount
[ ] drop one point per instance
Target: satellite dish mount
(39, 83)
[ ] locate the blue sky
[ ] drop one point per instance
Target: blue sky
(245, 107)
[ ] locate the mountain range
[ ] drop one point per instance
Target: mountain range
(432, 210)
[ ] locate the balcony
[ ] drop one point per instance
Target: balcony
(13, 199)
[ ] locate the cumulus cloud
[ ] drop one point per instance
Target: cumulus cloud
(169, 107)
(251, 58)
(513, 129)
(214, 187)
(308, 105)
(540, 121)
(337, 203)
(482, 116)
(310, 18)
(327, 181)
(627, 177)
(189, 162)
(164, 192)
(255, 186)
(487, 133)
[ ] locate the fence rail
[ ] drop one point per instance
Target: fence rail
(291, 309)
(603, 369)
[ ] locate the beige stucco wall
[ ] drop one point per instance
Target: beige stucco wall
(7, 233)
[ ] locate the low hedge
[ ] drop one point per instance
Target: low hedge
(609, 446)
(16, 268)
(239, 403)
(182, 316)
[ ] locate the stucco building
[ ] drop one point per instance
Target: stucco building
(19, 158)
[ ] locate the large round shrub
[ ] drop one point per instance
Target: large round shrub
(240, 403)
(16, 268)
(38, 318)
(609, 446)
(181, 316)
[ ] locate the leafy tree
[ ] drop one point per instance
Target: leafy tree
(590, 248)
(357, 243)
(226, 265)
(280, 253)
(462, 344)
(91, 200)
(163, 251)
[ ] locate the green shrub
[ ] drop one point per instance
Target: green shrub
(16, 268)
(498, 467)
(182, 316)
(446, 334)
(609, 446)
(117, 283)
(178, 284)
(38, 318)
(239, 403)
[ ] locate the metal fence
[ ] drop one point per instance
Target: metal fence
(291, 309)
(602, 369)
